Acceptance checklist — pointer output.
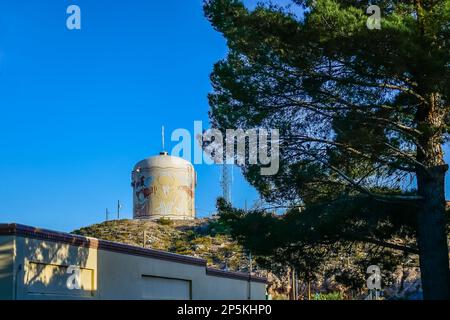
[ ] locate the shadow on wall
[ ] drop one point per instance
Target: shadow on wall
(6, 250)
(52, 269)
(6, 267)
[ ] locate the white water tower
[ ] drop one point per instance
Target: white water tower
(164, 187)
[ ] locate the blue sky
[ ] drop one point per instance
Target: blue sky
(80, 108)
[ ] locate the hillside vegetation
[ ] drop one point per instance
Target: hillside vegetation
(198, 238)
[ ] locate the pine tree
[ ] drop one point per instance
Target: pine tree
(363, 112)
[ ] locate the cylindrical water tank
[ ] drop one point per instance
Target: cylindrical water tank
(164, 187)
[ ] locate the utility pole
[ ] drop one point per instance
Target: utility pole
(294, 289)
(250, 275)
(309, 289)
(295, 285)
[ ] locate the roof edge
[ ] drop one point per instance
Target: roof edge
(234, 275)
(87, 242)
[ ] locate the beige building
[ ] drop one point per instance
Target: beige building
(43, 264)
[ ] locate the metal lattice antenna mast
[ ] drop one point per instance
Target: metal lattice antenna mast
(226, 182)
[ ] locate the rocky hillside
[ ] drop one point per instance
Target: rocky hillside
(197, 238)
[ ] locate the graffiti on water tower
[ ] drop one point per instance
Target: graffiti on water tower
(164, 194)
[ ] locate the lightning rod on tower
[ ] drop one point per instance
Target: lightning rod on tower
(162, 138)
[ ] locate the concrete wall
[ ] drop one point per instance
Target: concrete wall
(121, 276)
(6, 267)
(42, 273)
(42, 270)
(217, 288)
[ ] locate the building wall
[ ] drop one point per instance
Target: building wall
(122, 276)
(217, 288)
(43, 270)
(6, 267)
(42, 273)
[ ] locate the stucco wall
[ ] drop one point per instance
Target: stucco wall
(42, 274)
(42, 269)
(6, 267)
(120, 275)
(217, 288)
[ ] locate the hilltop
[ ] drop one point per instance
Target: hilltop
(197, 238)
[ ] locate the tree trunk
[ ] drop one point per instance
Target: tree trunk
(432, 221)
(432, 235)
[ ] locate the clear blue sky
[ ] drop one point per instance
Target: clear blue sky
(80, 108)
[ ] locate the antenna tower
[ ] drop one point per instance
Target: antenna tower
(226, 181)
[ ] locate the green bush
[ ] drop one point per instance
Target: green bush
(216, 227)
(328, 296)
(165, 222)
